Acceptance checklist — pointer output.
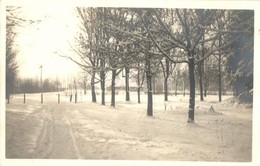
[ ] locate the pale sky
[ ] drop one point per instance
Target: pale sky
(39, 42)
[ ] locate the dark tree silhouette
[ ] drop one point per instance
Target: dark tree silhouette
(12, 21)
(240, 63)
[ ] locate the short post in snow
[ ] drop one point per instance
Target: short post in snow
(41, 98)
(58, 98)
(76, 97)
(70, 97)
(24, 98)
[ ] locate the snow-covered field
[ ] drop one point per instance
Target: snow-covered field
(87, 130)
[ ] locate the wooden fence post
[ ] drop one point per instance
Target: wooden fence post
(41, 98)
(70, 97)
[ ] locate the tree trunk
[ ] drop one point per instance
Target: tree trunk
(219, 79)
(76, 91)
(139, 95)
(113, 93)
(166, 80)
(154, 83)
(166, 89)
(176, 86)
(139, 84)
(201, 81)
(102, 84)
(85, 88)
(76, 97)
(149, 89)
(192, 91)
(205, 82)
(205, 91)
(102, 80)
(219, 72)
(201, 71)
(93, 91)
(149, 95)
(183, 86)
(127, 93)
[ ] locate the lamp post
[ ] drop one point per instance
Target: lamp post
(41, 86)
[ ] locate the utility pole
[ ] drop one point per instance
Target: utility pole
(41, 86)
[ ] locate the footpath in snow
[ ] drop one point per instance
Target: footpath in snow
(86, 130)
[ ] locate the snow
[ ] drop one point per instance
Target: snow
(87, 130)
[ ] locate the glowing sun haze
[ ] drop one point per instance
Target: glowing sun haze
(42, 43)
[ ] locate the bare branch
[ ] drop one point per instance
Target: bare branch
(177, 42)
(157, 46)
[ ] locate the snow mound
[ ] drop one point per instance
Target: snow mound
(235, 102)
(211, 111)
(206, 110)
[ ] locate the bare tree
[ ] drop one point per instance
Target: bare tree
(88, 52)
(12, 21)
(186, 28)
(114, 37)
(166, 74)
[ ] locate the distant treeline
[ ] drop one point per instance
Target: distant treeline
(29, 85)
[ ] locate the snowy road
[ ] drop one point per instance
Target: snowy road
(90, 131)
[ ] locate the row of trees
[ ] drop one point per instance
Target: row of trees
(30, 85)
(146, 40)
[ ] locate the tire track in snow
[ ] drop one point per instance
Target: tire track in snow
(64, 138)
(44, 142)
(22, 144)
(57, 138)
(73, 137)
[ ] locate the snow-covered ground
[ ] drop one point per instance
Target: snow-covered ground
(87, 130)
